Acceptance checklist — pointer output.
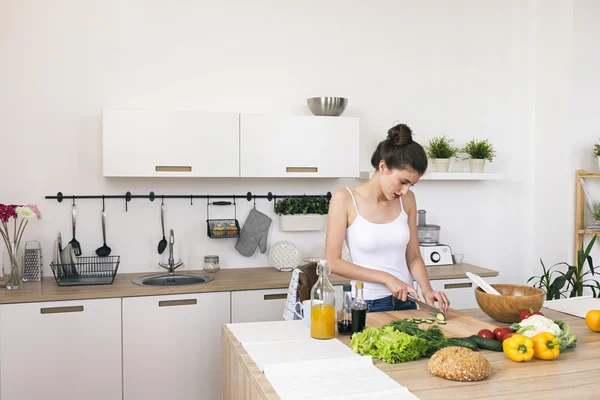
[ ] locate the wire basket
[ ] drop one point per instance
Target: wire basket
(222, 228)
(87, 271)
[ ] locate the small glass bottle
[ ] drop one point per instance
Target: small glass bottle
(345, 317)
(359, 310)
(322, 305)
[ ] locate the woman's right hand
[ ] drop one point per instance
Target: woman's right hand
(400, 289)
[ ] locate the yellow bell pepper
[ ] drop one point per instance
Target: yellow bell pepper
(518, 348)
(546, 346)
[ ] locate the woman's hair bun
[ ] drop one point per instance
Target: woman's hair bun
(400, 135)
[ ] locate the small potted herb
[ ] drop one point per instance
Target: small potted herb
(305, 213)
(440, 150)
(478, 152)
(597, 153)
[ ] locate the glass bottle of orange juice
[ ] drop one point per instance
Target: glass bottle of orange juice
(322, 305)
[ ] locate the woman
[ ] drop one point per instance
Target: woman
(378, 220)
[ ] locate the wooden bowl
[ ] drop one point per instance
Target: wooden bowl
(514, 299)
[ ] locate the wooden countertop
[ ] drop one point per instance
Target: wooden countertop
(225, 280)
(573, 374)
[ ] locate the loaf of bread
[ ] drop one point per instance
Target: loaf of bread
(459, 364)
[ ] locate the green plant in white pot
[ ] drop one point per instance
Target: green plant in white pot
(597, 153)
(441, 150)
(478, 152)
(304, 213)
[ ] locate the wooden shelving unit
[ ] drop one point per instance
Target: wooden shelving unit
(580, 200)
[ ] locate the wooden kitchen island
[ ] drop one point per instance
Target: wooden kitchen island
(575, 374)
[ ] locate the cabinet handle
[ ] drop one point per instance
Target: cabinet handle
(173, 168)
(171, 303)
(60, 310)
(278, 296)
(458, 285)
(301, 169)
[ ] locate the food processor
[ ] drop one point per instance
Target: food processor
(432, 251)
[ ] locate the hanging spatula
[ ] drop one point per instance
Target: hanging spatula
(74, 243)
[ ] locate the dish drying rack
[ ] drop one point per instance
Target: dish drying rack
(93, 270)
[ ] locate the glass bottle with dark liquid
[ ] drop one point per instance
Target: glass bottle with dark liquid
(345, 314)
(358, 310)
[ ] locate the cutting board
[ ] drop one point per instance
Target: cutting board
(457, 323)
(577, 306)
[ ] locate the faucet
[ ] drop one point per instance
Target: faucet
(171, 266)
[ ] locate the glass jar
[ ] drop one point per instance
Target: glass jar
(231, 230)
(322, 305)
(218, 230)
(211, 263)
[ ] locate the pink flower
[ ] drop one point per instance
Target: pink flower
(35, 209)
(7, 211)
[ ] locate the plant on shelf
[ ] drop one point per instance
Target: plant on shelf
(441, 150)
(575, 278)
(304, 213)
(478, 152)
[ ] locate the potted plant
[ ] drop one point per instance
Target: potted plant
(440, 150)
(478, 152)
(597, 153)
(305, 213)
(576, 277)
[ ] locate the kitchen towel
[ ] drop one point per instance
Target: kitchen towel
(254, 233)
(292, 296)
(270, 331)
(334, 379)
(271, 353)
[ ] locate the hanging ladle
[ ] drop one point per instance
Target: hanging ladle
(104, 250)
(162, 245)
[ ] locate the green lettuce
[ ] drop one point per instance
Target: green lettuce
(389, 345)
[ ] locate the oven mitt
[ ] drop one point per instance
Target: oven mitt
(254, 233)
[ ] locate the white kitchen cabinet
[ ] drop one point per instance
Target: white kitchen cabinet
(460, 292)
(172, 346)
(155, 143)
(298, 146)
(265, 305)
(68, 350)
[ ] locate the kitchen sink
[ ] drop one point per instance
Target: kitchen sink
(173, 279)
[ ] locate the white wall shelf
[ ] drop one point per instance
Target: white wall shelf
(449, 176)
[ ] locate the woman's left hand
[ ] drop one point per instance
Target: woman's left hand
(431, 297)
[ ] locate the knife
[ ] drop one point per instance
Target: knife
(425, 306)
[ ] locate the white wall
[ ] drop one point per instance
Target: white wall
(461, 68)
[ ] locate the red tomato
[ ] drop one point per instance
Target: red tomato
(508, 335)
(486, 333)
(500, 332)
(525, 314)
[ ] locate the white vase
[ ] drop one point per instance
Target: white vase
(598, 163)
(477, 165)
(302, 222)
(441, 164)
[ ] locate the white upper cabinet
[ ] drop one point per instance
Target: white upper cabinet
(298, 146)
(152, 143)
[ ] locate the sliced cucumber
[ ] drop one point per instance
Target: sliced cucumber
(418, 321)
(442, 322)
(408, 319)
(440, 317)
(429, 320)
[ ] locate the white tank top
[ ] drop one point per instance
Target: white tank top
(380, 247)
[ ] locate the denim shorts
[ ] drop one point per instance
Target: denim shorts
(389, 303)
